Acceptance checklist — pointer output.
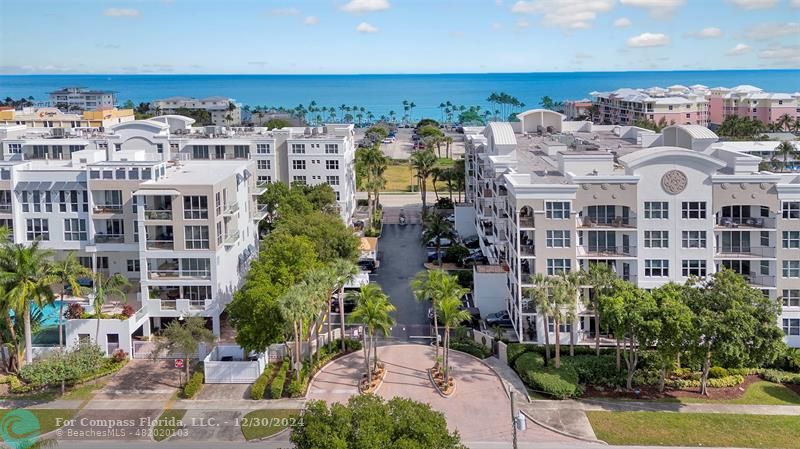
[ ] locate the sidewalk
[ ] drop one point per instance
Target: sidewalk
(631, 406)
(510, 379)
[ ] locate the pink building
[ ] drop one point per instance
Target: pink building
(577, 108)
(750, 101)
(677, 105)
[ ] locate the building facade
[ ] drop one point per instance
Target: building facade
(673, 105)
(751, 102)
(224, 111)
(53, 118)
(82, 99)
(656, 208)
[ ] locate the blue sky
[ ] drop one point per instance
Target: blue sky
(395, 36)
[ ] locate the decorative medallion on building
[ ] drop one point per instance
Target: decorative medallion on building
(674, 182)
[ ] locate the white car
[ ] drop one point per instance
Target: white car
(388, 140)
(443, 242)
(451, 218)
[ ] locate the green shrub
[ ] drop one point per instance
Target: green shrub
(559, 383)
(782, 377)
(260, 385)
(717, 372)
(723, 382)
(72, 366)
(514, 350)
(465, 278)
(643, 377)
(276, 387)
(297, 388)
(744, 371)
(594, 370)
(529, 361)
(470, 347)
(16, 386)
(193, 386)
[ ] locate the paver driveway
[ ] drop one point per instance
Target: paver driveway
(479, 409)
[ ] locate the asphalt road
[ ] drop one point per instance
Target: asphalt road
(402, 258)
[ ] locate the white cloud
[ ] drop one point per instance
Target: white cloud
(500, 2)
(786, 56)
(364, 27)
(656, 7)
(311, 20)
(571, 14)
(121, 12)
(739, 49)
(284, 12)
(795, 3)
(581, 56)
(522, 23)
(496, 26)
(623, 22)
(753, 4)
(361, 6)
(648, 40)
(706, 33)
(766, 31)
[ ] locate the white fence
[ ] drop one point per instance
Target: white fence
(229, 364)
(485, 340)
(304, 345)
(145, 350)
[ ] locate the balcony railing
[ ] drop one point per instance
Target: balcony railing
(178, 274)
(603, 222)
(261, 187)
(746, 222)
(526, 222)
(158, 214)
(231, 209)
(759, 280)
(527, 250)
(5, 208)
(606, 251)
(231, 238)
(260, 213)
(109, 238)
(107, 208)
(160, 244)
(185, 305)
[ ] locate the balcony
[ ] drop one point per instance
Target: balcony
(260, 213)
(5, 208)
(744, 252)
(526, 222)
(605, 222)
(107, 209)
(230, 209)
(745, 222)
(166, 274)
(260, 188)
(759, 280)
(183, 305)
(160, 244)
(605, 252)
(109, 238)
(527, 251)
(158, 214)
(231, 238)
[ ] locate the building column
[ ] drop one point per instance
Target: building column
(215, 325)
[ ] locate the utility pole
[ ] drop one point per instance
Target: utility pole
(513, 422)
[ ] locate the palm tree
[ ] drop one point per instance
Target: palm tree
(183, 337)
(542, 299)
(27, 279)
(437, 228)
(451, 312)
(107, 288)
(67, 272)
(372, 311)
(293, 306)
(786, 149)
(785, 122)
(600, 277)
(319, 284)
(423, 162)
(425, 286)
(344, 272)
(565, 288)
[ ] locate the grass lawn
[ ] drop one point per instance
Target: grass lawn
(398, 179)
(696, 429)
(168, 423)
(83, 391)
(264, 423)
(48, 418)
(758, 393)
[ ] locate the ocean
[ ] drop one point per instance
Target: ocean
(383, 93)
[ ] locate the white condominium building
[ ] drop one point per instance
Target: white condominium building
(313, 156)
(548, 195)
(224, 111)
(182, 232)
(82, 99)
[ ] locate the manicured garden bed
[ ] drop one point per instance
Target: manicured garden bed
(260, 424)
(696, 429)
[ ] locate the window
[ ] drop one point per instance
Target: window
(656, 209)
(298, 165)
(196, 237)
(38, 229)
(195, 267)
(556, 266)
(791, 298)
(693, 239)
(298, 148)
(15, 148)
(791, 239)
(264, 179)
(263, 148)
(694, 209)
(558, 239)
(332, 164)
(557, 210)
(200, 152)
(333, 180)
(263, 164)
(133, 265)
(219, 151)
(791, 326)
(299, 179)
(331, 148)
(75, 229)
(159, 148)
(765, 238)
(195, 207)
(656, 268)
(656, 239)
(791, 268)
(791, 209)
(197, 292)
(241, 151)
(694, 268)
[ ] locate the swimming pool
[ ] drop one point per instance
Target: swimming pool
(48, 331)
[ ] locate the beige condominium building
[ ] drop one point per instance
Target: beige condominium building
(547, 195)
(224, 111)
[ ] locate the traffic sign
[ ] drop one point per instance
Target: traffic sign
(178, 363)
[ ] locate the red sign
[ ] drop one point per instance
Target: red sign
(178, 363)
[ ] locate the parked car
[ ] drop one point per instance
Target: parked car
(443, 243)
(433, 256)
(475, 259)
(472, 242)
(367, 265)
(451, 218)
(498, 319)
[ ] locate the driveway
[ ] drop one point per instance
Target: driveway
(479, 409)
(143, 379)
(402, 258)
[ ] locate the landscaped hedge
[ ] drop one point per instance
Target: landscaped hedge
(717, 372)
(276, 387)
(193, 386)
(260, 385)
(470, 347)
(82, 364)
(560, 383)
(782, 377)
